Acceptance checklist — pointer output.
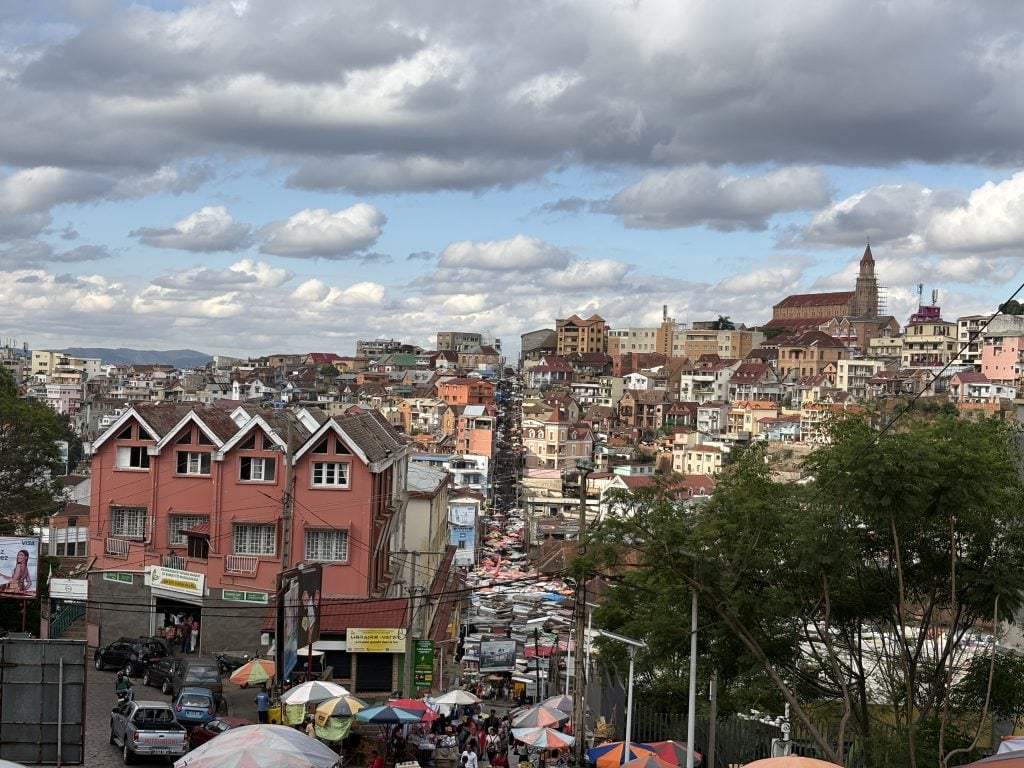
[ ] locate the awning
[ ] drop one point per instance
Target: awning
(202, 531)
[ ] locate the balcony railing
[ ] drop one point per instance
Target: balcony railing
(117, 548)
(173, 561)
(246, 564)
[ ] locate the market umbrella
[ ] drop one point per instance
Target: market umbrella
(457, 698)
(9, 764)
(650, 760)
(791, 761)
(613, 754)
(544, 738)
(257, 746)
(313, 692)
(561, 702)
(341, 706)
(253, 672)
(417, 707)
(387, 715)
(673, 752)
(1001, 760)
(540, 716)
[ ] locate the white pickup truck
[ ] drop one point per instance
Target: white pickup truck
(147, 728)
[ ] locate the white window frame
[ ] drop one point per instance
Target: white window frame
(257, 469)
(258, 539)
(194, 463)
(332, 547)
(178, 523)
(329, 474)
(128, 522)
(132, 457)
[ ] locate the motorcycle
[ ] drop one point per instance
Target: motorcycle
(124, 695)
(229, 661)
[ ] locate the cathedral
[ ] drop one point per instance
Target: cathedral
(850, 315)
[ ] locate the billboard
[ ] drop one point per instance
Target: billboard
(497, 655)
(298, 614)
(370, 640)
(19, 567)
(423, 663)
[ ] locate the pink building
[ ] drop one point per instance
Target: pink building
(191, 514)
(1002, 357)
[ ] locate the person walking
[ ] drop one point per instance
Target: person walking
(186, 634)
(194, 637)
(169, 633)
(492, 742)
(469, 757)
(262, 706)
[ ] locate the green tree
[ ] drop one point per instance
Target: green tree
(29, 459)
(911, 537)
(1012, 307)
(723, 323)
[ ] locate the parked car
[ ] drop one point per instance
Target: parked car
(147, 728)
(132, 654)
(194, 706)
(203, 733)
(159, 674)
(200, 673)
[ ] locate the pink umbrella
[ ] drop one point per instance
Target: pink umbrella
(257, 746)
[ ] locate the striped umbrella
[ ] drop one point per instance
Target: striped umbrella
(544, 738)
(650, 760)
(253, 672)
(673, 752)
(540, 716)
(342, 706)
(561, 702)
(613, 753)
(386, 715)
(313, 692)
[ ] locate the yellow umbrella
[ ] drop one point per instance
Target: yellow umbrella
(253, 673)
(340, 706)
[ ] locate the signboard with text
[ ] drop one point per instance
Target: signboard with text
(19, 567)
(69, 589)
(175, 580)
(423, 663)
(382, 640)
(497, 655)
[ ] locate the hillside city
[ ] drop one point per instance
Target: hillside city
(442, 490)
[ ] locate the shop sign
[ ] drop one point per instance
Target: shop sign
(70, 589)
(423, 663)
(175, 580)
(239, 596)
(124, 578)
(381, 640)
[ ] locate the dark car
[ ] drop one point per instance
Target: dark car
(159, 674)
(200, 673)
(194, 706)
(203, 733)
(132, 654)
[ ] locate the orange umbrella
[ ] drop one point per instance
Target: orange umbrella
(649, 761)
(673, 752)
(791, 761)
(253, 673)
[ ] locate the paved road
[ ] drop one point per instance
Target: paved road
(99, 753)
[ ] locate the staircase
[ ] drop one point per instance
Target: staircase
(68, 623)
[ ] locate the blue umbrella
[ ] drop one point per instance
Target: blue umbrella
(386, 715)
(614, 754)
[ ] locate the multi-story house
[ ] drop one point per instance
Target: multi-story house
(537, 344)
(698, 458)
(419, 539)
(474, 430)
(574, 334)
(480, 358)
(1002, 357)
(422, 414)
(852, 376)
(712, 417)
(885, 348)
(968, 337)
(466, 391)
(644, 409)
(549, 372)
(755, 381)
(703, 383)
(808, 354)
(198, 510)
(65, 399)
(743, 419)
(458, 341)
(47, 363)
(971, 387)
(705, 340)
(928, 342)
(464, 512)
(610, 389)
(556, 443)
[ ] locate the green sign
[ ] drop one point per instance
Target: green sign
(124, 578)
(239, 596)
(423, 663)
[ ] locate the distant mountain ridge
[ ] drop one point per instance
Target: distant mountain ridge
(179, 358)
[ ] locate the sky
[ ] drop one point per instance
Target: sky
(248, 177)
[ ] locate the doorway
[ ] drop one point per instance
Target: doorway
(168, 611)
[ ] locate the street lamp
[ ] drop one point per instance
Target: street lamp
(633, 645)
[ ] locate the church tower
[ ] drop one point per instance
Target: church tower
(865, 295)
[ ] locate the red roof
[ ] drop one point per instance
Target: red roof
(816, 299)
(203, 529)
(643, 481)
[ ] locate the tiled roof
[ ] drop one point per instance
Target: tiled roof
(163, 417)
(814, 339)
(815, 299)
(971, 377)
(71, 509)
(372, 433)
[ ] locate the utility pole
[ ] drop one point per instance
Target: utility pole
(286, 502)
(410, 625)
(579, 727)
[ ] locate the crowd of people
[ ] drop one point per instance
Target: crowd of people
(181, 631)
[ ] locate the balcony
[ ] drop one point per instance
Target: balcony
(243, 564)
(173, 561)
(117, 548)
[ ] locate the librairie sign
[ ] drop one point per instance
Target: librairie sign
(175, 580)
(369, 640)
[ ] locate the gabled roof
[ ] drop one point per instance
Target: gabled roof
(971, 377)
(163, 420)
(815, 299)
(814, 339)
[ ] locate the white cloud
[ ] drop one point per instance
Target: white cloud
(318, 232)
(701, 195)
(991, 220)
(38, 189)
(208, 230)
(519, 252)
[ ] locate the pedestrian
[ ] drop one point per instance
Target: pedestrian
(500, 760)
(169, 633)
(262, 705)
(469, 755)
(186, 634)
(377, 761)
(194, 639)
(492, 741)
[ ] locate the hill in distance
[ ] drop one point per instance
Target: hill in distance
(179, 358)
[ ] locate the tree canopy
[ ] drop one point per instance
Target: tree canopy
(853, 596)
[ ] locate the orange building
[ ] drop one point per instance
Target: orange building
(466, 391)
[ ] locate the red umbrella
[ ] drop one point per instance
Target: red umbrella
(540, 716)
(791, 761)
(648, 761)
(673, 752)
(612, 754)
(416, 707)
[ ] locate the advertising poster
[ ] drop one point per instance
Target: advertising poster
(371, 640)
(423, 663)
(298, 614)
(497, 655)
(19, 567)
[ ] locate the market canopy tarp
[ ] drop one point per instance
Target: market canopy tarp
(258, 746)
